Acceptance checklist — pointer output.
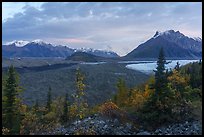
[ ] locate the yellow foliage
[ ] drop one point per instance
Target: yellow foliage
(57, 107)
(147, 91)
(136, 99)
(51, 116)
(29, 123)
(23, 108)
(176, 79)
(73, 111)
(93, 110)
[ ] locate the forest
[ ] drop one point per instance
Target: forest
(168, 96)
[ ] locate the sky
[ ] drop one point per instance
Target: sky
(115, 26)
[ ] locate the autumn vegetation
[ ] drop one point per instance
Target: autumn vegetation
(168, 96)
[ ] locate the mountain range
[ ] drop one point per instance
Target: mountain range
(39, 48)
(175, 45)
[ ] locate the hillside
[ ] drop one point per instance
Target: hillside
(82, 56)
(100, 80)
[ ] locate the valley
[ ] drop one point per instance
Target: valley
(100, 79)
(101, 68)
(37, 74)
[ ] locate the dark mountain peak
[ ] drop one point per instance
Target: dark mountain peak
(167, 33)
(174, 43)
(157, 33)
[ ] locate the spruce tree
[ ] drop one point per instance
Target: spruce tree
(200, 61)
(11, 115)
(177, 67)
(49, 100)
(160, 86)
(160, 75)
(157, 109)
(36, 106)
(65, 110)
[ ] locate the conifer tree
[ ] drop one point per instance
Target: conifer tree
(157, 98)
(200, 61)
(36, 106)
(65, 110)
(160, 76)
(177, 67)
(49, 101)
(11, 115)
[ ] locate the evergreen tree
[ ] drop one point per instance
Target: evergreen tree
(36, 106)
(195, 75)
(157, 109)
(157, 100)
(177, 67)
(200, 61)
(160, 75)
(11, 114)
(49, 101)
(65, 110)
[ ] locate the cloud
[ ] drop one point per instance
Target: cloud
(75, 41)
(120, 26)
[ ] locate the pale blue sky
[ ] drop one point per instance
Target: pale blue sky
(117, 26)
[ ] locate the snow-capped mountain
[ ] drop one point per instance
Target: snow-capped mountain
(40, 48)
(96, 52)
(175, 44)
(19, 43)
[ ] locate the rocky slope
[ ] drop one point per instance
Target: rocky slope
(98, 125)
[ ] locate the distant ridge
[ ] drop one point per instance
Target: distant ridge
(39, 48)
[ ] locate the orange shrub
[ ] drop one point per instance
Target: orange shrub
(110, 109)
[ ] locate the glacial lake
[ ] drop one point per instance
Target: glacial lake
(148, 66)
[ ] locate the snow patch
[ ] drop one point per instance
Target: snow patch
(39, 41)
(159, 33)
(19, 43)
(197, 39)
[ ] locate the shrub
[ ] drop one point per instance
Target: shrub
(111, 110)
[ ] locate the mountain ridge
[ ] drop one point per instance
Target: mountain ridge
(39, 48)
(175, 44)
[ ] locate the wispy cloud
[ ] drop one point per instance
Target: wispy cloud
(120, 26)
